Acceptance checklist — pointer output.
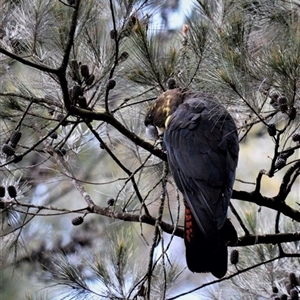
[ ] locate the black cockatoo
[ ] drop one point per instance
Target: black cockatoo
(201, 142)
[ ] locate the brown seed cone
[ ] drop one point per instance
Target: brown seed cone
(294, 294)
(234, 257)
(111, 84)
(113, 34)
(296, 137)
(124, 55)
(90, 80)
(15, 138)
(8, 150)
(12, 192)
(293, 113)
(53, 135)
(271, 129)
(84, 70)
(280, 163)
(77, 221)
(293, 279)
(110, 201)
(171, 83)
(282, 102)
(2, 191)
(82, 102)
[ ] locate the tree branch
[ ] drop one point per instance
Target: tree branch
(40, 67)
(285, 187)
(110, 119)
(70, 42)
(61, 72)
(224, 278)
(246, 240)
(129, 217)
(249, 240)
(118, 162)
(267, 202)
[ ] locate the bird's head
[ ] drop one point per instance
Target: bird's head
(163, 108)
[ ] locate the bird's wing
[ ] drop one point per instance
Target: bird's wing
(202, 147)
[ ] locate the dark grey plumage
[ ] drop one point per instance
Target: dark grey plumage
(201, 142)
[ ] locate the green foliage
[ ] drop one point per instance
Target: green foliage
(152, 65)
(115, 272)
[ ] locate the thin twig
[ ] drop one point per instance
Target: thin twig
(225, 278)
(157, 236)
(239, 219)
(40, 67)
(110, 119)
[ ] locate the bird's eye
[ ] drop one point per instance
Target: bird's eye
(148, 119)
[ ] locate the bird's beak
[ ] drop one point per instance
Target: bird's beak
(152, 132)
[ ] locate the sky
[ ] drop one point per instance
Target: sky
(177, 18)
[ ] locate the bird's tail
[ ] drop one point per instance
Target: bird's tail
(207, 253)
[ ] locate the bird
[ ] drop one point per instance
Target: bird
(200, 139)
